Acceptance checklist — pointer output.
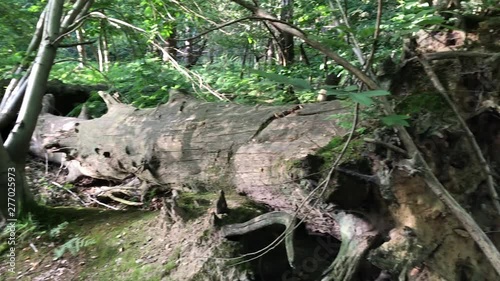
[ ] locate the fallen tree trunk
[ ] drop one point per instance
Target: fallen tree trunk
(187, 144)
(267, 153)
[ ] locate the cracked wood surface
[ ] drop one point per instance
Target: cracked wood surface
(187, 142)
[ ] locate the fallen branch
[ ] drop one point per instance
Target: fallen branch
(456, 54)
(388, 146)
(70, 192)
(102, 204)
(121, 200)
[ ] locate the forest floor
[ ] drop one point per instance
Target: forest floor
(71, 243)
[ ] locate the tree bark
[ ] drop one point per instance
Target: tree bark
(51, 27)
(286, 39)
(185, 141)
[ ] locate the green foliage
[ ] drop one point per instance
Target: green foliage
(16, 24)
(74, 245)
(395, 120)
(56, 231)
(300, 84)
(26, 227)
(365, 98)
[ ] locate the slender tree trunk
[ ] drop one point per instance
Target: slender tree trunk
(82, 53)
(104, 47)
(286, 39)
(14, 150)
(99, 54)
(303, 55)
(271, 52)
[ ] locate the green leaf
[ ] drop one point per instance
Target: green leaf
(376, 93)
(395, 120)
(364, 100)
(351, 88)
(431, 21)
(299, 83)
(330, 92)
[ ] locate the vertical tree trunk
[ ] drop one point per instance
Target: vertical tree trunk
(99, 54)
(303, 55)
(82, 53)
(14, 150)
(286, 39)
(270, 52)
(104, 47)
(244, 59)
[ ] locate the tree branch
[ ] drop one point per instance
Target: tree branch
(77, 44)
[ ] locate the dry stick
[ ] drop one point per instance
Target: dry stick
(69, 191)
(468, 222)
(102, 204)
(470, 136)
(388, 146)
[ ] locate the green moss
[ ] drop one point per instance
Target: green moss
(427, 102)
(116, 256)
(195, 205)
(331, 151)
(118, 242)
(335, 143)
(172, 261)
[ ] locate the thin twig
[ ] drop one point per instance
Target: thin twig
(70, 192)
(470, 136)
(102, 204)
(375, 36)
(389, 146)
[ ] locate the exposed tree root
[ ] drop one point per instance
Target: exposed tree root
(357, 238)
(283, 218)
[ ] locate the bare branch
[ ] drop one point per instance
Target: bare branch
(76, 44)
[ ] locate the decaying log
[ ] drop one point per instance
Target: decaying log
(250, 148)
